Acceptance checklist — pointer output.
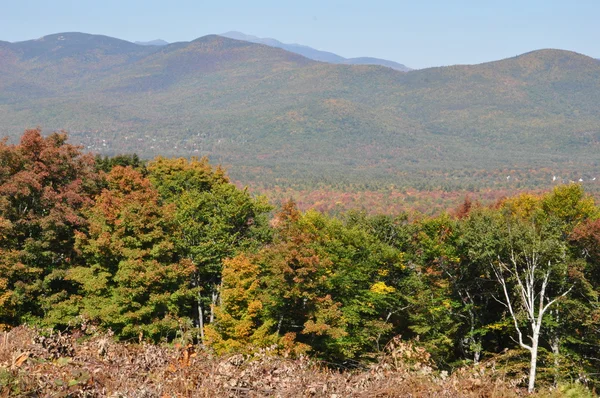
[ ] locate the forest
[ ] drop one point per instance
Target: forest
(170, 251)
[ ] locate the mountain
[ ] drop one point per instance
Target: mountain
(314, 54)
(375, 61)
(56, 64)
(157, 42)
(277, 117)
(65, 45)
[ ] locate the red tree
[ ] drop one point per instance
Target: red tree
(44, 184)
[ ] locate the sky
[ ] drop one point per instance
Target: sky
(417, 33)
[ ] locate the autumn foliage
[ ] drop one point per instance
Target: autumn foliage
(45, 184)
(170, 251)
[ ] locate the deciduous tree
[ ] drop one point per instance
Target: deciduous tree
(44, 184)
(214, 221)
(132, 279)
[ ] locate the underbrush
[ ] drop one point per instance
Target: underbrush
(94, 365)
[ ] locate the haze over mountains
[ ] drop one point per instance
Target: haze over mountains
(314, 54)
(157, 42)
(275, 115)
(308, 52)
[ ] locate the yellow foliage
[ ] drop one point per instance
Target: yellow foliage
(496, 326)
(4, 298)
(382, 288)
(243, 329)
(254, 307)
(522, 206)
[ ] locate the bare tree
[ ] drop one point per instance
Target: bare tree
(531, 277)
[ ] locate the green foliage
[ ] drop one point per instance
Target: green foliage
(573, 390)
(533, 230)
(325, 286)
(433, 308)
(214, 220)
(106, 163)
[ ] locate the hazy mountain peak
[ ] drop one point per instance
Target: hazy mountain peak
(544, 60)
(240, 36)
(156, 42)
(78, 37)
(314, 54)
(221, 40)
(67, 36)
(75, 39)
(75, 44)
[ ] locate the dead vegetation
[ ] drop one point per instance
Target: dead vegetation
(94, 365)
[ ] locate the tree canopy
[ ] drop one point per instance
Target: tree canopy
(173, 248)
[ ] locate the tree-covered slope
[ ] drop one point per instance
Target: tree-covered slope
(276, 114)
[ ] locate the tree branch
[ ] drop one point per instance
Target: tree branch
(510, 309)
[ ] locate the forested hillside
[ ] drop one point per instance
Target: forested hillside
(170, 251)
(274, 117)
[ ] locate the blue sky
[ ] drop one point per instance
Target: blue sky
(416, 33)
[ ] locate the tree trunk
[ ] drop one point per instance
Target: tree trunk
(215, 296)
(475, 343)
(533, 364)
(477, 353)
(200, 318)
(555, 345)
(200, 312)
(279, 324)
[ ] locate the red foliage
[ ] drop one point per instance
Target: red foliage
(44, 185)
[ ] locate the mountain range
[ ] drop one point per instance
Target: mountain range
(306, 51)
(314, 54)
(278, 117)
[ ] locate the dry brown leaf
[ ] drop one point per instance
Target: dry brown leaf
(20, 359)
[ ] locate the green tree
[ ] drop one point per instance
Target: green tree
(325, 285)
(214, 221)
(582, 318)
(433, 310)
(106, 163)
(525, 244)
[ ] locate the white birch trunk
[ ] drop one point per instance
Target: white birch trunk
(533, 363)
(200, 318)
(531, 300)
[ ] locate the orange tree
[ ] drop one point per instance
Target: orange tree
(132, 279)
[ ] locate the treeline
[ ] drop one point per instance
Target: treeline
(172, 248)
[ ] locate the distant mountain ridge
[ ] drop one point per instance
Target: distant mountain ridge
(278, 116)
(157, 42)
(314, 54)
